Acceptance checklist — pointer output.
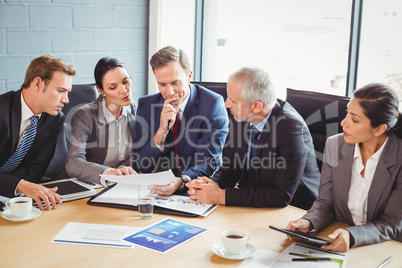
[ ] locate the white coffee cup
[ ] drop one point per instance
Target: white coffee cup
(20, 206)
(234, 241)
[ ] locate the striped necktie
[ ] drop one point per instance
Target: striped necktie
(23, 148)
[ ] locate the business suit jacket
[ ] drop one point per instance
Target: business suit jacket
(202, 133)
(288, 167)
(33, 166)
(88, 142)
(384, 206)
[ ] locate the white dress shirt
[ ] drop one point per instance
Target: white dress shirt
(119, 142)
(360, 186)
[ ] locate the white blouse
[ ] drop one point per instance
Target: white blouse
(360, 186)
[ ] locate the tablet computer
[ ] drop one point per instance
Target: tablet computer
(71, 189)
(306, 237)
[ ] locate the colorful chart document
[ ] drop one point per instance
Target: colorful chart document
(165, 235)
(184, 203)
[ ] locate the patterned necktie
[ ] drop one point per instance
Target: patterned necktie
(252, 179)
(23, 148)
(175, 132)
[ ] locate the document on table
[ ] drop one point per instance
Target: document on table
(260, 259)
(127, 194)
(165, 235)
(295, 250)
(160, 178)
(95, 235)
(184, 203)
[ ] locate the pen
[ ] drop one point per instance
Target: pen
(388, 260)
(168, 125)
(311, 259)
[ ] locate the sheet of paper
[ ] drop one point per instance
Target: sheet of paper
(126, 194)
(184, 203)
(260, 259)
(165, 235)
(160, 178)
(95, 235)
(295, 250)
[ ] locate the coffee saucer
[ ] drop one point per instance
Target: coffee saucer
(219, 250)
(8, 215)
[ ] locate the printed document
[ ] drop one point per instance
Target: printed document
(165, 235)
(160, 178)
(126, 194)
(95, 235)
(295, 250)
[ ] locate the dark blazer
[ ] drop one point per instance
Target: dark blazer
(288, 167)
(203, 130)
(384, 205)
(88, 142)
(33, 166)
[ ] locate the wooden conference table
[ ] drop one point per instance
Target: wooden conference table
(28, 244)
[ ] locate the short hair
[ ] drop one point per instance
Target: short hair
(44, 67)
(256, 85)
(380, 105)
(103, 66)
(167, 55)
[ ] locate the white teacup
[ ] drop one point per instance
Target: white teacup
(234, 241)
(20, 206)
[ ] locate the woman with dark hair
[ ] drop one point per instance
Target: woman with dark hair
(361, 178)
(101, 135)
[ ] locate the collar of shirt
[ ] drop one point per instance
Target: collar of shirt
(108, 115)
(26, 114)
(260, 126)
(183, 105)
(375, 156)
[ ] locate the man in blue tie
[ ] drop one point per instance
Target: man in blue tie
(269, 159)
(30, 122)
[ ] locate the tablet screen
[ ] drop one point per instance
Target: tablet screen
(303, 236)
(67, 187)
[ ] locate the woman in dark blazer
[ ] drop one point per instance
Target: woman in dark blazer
(361, 179)
(102, 131)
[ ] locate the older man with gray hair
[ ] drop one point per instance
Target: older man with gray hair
(269, 159)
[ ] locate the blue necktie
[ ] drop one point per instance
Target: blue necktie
(19, 154)
(252, 179)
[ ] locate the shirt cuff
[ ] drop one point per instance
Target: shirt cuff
(102, 181)
(161, 148)
(15, 191)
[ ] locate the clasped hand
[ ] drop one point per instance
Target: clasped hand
(206, 191)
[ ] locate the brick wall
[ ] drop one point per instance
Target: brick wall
(78, 31)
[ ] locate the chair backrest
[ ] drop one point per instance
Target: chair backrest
(79, 95)
(323, 114)
(217, 87)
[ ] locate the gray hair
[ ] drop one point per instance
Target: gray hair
(167, 55)
(256, 86)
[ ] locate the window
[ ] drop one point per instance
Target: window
(380, 56)
(303, 44)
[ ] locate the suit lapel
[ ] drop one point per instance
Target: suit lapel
(189, 112)
(103, 135)
(382, 176)
(342, 174)
(15, 123)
